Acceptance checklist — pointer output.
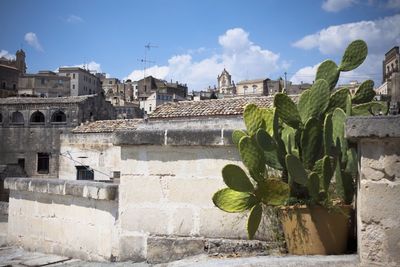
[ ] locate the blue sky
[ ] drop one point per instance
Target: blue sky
(196, 39)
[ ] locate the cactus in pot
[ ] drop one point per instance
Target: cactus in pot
(304, 141)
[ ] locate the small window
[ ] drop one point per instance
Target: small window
(43, 162)
(84, 173)
(3, 85)
(1, 118)
(37, 117)
(17, 118)
(14, 86)
(58, 116)
(73, 86)
(73, 75)
(116, 174)
(42, 81)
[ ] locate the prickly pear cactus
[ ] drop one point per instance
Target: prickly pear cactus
(328, 71)
(235, 178)
(311, 142)
(338, 99)
(354, 55)
(287, 110)
(252, 157)
(253, 119)
(365, 93)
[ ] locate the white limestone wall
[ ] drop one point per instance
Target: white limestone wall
(74, 220)
(167, 191)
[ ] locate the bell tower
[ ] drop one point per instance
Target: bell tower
(20, 61)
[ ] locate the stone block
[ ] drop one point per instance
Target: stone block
(153, 220)
(183, 222)
(140, 189)
(194, 191)
(379, 201)
(55, 187)
(163, 249)
(20, 184)
(39, 186)
(132, 248)
(186, 137)
(74, 189)
(139, 137)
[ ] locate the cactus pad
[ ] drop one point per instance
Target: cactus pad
(287, 110)
(365, 93)
(252, 118)
(344, 185)
(318, 99)
(233, 201)
(367, 109)
(354, 55)
(313, 186)
(274, 192)
(328, 71)
(303, 105)
(296, 170)
(327, 134)
(338, 99)
(237, 135)
(338, 122)
(235, 178)
(253, 157)
(310, 141)
(270, 148)
(254, 220)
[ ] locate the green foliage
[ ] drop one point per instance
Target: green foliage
(327, 134)
(237, 135)
(270, 148)
(344, 184)
(296, 170)
(303, 105)
(338, 99)
(340, 142)
(313, 186)
(311, 139)
(287, 110)
(235, 178)
(252, 157)
(319, 99)
(273, 192)
(233, 201)
(368, 109)
(254, 220)
(328, 71)
(365, 93)
(253, 118)
(327, 173)
(354, 55)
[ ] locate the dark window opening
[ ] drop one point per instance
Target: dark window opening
(1, 117)
(14, 86)
(21, 163)
(3, 85)
(58, 116)
(17, 118)
(43, 163)
(84, 173)
(37, 117)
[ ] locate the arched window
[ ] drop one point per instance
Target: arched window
(17, 118)
(37, 117)
(58, 116)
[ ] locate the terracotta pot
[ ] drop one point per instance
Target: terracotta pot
(315, 230)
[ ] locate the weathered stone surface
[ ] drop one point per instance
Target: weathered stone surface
(139, 137)
(194, 137)
(241, 247)
(132, 248)
(86, 189)
(162, 249)
(373, 127)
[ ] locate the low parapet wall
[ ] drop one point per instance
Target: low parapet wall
(378, 194)
(71, 218)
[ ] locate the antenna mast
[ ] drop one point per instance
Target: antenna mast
(145, 61)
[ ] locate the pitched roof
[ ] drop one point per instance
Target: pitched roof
(252, 81)
(43, 100)
(213, 107)
(106, 126)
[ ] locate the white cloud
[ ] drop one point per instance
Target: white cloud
(380, 35)
(306, 74)
(5, 54)
(337, 5)
(33, 41)
(92, 66)
(241, 57)
(73, 19)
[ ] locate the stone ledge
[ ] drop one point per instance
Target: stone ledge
(175, 137)
(86, 189)
(373, 127)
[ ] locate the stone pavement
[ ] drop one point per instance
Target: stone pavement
(17, 257)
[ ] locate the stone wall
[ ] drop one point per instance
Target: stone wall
(71, 218)
(378, 195)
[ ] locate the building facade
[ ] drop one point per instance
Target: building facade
(82, 81)
(390, 63)
(44, 84)
(258, 87)
(10, 71)
(30, 128)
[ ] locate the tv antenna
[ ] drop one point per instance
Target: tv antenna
(147, 47)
